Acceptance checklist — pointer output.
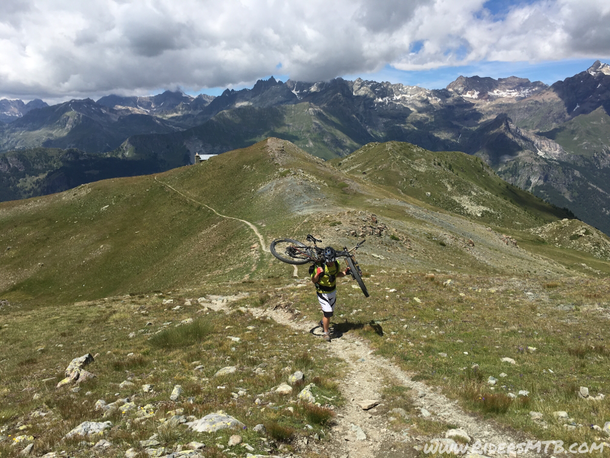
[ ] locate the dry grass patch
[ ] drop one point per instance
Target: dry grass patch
(279, 432)
(318, 415)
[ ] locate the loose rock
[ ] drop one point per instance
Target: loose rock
(215, 422)
(234, 440)
(296, 377)
(226, 371)
(459, 434)
(368, 404)
(306, 395)
(89, 428)
(284, 388)
(176, 392)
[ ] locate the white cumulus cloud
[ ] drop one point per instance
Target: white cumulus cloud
(74, 48)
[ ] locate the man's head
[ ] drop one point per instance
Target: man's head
(329, 255)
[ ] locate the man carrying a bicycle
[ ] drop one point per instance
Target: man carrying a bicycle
(324, 276)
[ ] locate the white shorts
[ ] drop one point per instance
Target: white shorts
(327, 301)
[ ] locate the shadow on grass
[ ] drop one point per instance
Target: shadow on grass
(338, 329)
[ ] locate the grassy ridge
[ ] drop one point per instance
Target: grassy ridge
(158, 232)
(108, 237)
(452, 181)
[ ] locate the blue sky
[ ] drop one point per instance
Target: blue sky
(62, 49)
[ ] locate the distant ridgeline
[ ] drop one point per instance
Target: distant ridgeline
(550, 140)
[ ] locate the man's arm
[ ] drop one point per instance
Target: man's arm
(316, 277)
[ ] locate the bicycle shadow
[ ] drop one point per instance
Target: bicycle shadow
(338, 329)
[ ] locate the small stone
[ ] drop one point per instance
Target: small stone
(127, 407)
(176, 392)
(531, 349)
(149, 443)
(360, 435)
(459, 434)
(442, 355)
(368, 404)
(102, 443)
(425, 413)
(561, 415)
(306, 395)
(89, 428)
(523, 393)
(195, 445)
(284, 388)
(296, 377)
(125, 384)
(226, 371)
(508, 360)
(492, 380)
(583, 392)
(606, 428)
(536, 415)
(78, 363)
(101, 405)
(26, 451)
(214, 422)
(503, 375)
(147, 388)
(234, 440)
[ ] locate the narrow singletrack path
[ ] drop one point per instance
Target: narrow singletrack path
(261, 239)
(361, 434)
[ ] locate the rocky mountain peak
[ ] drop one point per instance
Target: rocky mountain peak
(10, 110)
(599, 67)
(478, 88)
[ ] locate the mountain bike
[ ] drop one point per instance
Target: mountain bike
(294, 252)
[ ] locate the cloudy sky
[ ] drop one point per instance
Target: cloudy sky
(61, 49)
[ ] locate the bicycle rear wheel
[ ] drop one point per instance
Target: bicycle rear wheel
(357, 275)
(289, 251)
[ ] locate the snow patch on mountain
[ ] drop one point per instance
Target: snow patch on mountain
(599, 68)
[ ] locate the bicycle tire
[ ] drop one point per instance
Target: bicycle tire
(279, 251)
(355, 273)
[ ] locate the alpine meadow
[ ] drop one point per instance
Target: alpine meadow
(145, 316)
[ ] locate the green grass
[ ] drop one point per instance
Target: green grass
(557, 336)
(182, 336)
(111, 268)
(188, 355)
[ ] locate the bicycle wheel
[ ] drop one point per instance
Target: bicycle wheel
(289, 251)
(355, 273)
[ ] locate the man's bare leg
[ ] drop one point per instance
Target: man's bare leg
(326, 324)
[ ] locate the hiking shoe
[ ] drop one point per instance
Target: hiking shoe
(326, 336)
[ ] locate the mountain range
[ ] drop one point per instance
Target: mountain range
(550, 140)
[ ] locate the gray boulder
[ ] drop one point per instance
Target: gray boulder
(215, 422)
(89, 428)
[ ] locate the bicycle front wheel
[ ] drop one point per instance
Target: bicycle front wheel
(289, 251)
(356, 275)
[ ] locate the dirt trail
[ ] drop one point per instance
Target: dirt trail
(362, 434)
(261, 239)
